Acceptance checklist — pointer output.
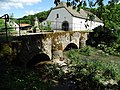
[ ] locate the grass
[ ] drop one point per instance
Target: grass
(97, 67)
(92, 54)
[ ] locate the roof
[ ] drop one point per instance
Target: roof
(25, 25)
(81, 14)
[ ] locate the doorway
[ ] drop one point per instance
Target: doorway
(65, 26)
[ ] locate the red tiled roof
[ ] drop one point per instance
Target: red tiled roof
(24, 25)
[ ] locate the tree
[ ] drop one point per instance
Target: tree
(110, 33)
(111, 16)
(2, 25)
(79, 3)
(30, 18)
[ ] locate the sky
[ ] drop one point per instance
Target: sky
(20, 8)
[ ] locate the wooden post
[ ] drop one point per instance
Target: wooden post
(6, 20)
(6, 29)
(19, 27)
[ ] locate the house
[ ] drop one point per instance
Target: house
(13, 25)
(24, 26)
(63, 17)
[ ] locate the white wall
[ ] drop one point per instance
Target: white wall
(79, 24)
(64, 15)
(14, 25)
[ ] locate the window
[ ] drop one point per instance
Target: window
(57, 16)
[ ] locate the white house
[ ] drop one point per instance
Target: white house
(64, 17)
(13, 25)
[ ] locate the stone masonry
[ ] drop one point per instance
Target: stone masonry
(51, 44)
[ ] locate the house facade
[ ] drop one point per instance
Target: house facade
(65, 18)
(25, 26)
(13, 25)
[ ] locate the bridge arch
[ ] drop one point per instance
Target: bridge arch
(36, 59)
(71, 46)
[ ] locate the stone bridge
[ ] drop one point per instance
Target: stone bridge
(34, 48)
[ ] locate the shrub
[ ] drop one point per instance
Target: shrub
(86, 51)
(103, 35)
(99, 73)
(112, 50)
(16, 78)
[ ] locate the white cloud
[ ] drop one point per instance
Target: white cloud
(31, 12)
(8, 4)
(119, 1)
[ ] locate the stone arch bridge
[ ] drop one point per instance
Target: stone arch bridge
(34, 48)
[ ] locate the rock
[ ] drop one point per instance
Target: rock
(59, 62)
(111, 81)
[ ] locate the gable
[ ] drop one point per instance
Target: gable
(60, 14)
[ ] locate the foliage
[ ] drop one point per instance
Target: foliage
(105, 39)
(2, 25)
(47, 27)
(30, 18)
(86, 51)
(111, 16)
(75, 54)
(81, 73)
(101, 35)
(112, 50)
(83, 3)
(16, 78)
(102, 74)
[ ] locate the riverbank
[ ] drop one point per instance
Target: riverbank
(81, 69)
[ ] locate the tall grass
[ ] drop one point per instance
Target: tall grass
(102, 71)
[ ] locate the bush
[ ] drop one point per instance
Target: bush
(102, 35)
(16, 78)
(86, 51)
(94, 73)
(112, 50)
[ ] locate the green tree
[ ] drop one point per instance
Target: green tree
(2, 25)
(79, 3)
(30, 18)
(111, 16)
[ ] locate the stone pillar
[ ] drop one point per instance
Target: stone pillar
(58, 54)
(83, 40)
(83, 43)
(47, 47)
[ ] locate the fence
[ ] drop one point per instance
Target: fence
(67, 26)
